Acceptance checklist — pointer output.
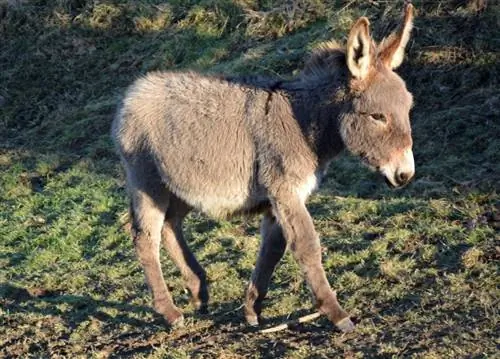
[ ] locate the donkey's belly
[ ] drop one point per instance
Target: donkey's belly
(217, 186)
(229, 201)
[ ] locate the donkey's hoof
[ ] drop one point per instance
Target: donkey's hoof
(252, 320)
(201, 308)
(345, 325)
(177, 323)
(174, 318)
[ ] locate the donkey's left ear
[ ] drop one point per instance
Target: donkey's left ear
(360, 51)
(391, 49)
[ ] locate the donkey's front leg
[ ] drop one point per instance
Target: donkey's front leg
(303, 241)
(271, 250)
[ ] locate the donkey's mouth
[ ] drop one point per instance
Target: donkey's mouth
(389, 183)
(397, 184)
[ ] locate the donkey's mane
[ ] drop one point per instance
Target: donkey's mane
(326, 60)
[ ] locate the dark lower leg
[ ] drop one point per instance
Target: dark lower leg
(192, 272)
(271, 251)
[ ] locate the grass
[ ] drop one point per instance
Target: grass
(418, 267)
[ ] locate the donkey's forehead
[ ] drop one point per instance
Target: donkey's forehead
(387, 91)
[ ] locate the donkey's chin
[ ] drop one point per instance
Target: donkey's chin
(389, 183)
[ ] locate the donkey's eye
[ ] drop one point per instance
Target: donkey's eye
(379, 117)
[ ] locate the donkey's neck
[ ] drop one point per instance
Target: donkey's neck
(316, 105)
(316, 97)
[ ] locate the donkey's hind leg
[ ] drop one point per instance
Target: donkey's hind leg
(272, 249)
(173, 241)
(150, 200)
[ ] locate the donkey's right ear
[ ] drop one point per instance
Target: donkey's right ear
(360, 49)
(391, 49)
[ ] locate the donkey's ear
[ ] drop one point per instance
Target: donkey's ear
(360, 52)
(391, 49)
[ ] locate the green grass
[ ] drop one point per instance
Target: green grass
(417, 267)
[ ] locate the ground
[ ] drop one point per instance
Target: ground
(417, 268)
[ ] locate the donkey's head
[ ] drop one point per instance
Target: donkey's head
(376, 124)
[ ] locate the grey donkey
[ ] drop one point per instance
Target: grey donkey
(227, 146)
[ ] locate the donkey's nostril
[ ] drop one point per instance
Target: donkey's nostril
(403, 178)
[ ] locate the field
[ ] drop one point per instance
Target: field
(417, 268)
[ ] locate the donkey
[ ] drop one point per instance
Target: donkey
(227, 146)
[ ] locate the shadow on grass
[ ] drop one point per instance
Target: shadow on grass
(228, 323)
(73, 99)
(447, 259)
(81, 308)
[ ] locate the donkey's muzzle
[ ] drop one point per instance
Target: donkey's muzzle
(400, 180)
(397, 184)
(400, 171)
